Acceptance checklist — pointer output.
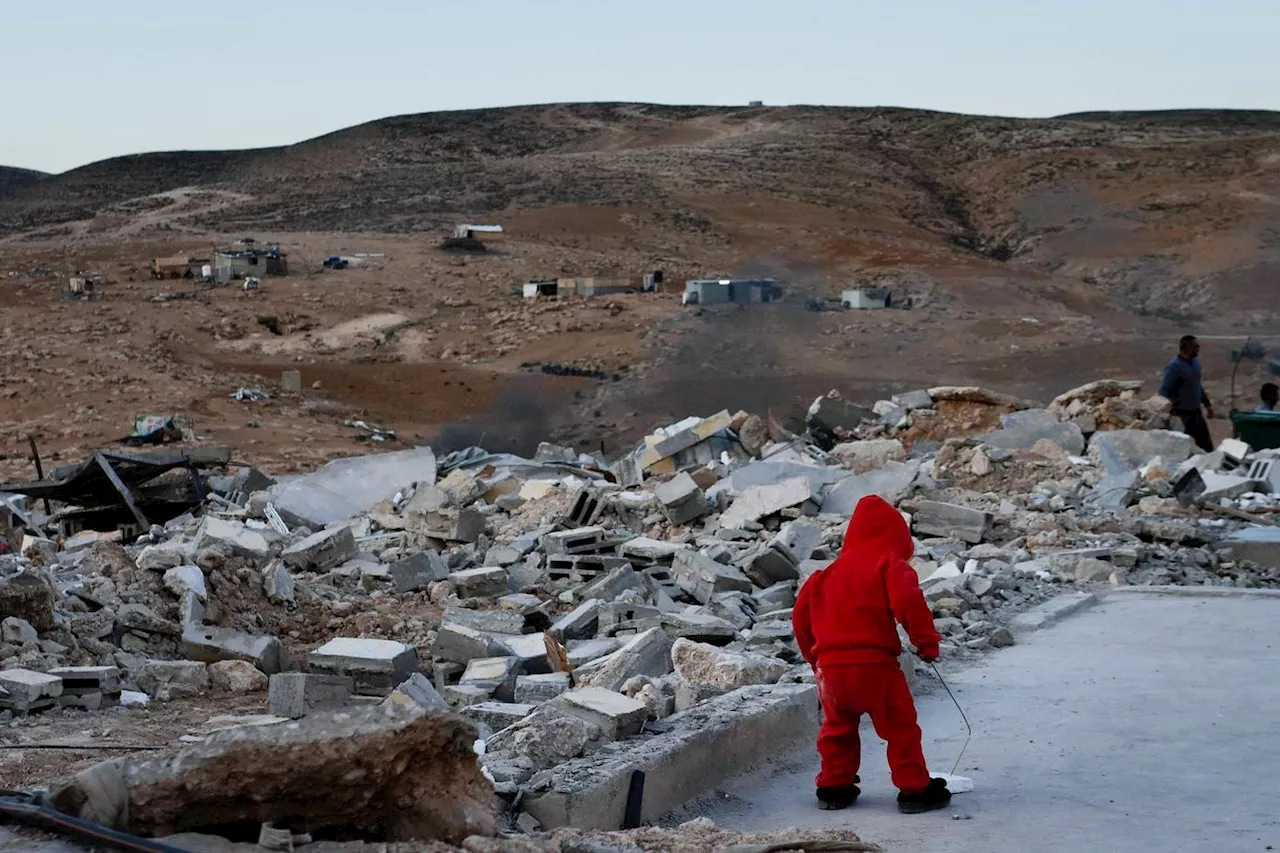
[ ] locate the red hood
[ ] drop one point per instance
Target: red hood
(877, 530)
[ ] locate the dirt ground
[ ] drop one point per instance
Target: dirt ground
(439, 348)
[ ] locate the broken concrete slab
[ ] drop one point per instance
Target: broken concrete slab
(165, 680)
(1259, 544)
(495, 676)
(702, 577)
(870, 455)
(181, 579)
(484, 582)
(579, 623)
(699, 663)
(296, 694)
(951, 520)
(497, 715)
(768, 564)
(416, 690)
(893, 482)
(1021, 430)
(1122, 450)
(24, 690)
(210, 644)
(17, 631)
(701, 748)
(321, 551)
(616, 715)
(365, 771)
(460, 643)
(377, 666)
(537, 689)
(237, 539)
(757, 502)
(913, 400)
(612, 584)
(648, 653)
(346, 487)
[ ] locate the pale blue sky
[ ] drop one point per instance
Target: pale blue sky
(81, 80)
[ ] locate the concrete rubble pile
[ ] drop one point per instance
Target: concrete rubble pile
(594, 619)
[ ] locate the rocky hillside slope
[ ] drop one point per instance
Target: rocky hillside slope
(1170, 214)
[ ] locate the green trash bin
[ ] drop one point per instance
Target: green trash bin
(1260, 430)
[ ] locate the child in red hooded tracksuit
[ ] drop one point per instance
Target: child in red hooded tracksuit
(844, 624)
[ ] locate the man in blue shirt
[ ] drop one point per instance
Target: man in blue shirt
(1183, 387)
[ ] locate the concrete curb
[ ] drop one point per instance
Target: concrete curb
(705, 746)
(1196, 591)
(1054, 610)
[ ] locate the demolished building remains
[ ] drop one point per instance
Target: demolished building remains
(588, 643)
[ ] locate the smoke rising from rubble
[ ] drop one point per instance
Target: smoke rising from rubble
(515, 423)
(737, 356)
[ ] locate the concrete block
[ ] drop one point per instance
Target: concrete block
(417, 572)
(951, 520)
(277, 583)
(417, 691)
(465, 695)
(768, 564)
(377, 666)
(234, 536)
(579, 623)
(648, 653)
(695, 623)
(616, 715)
(321, 551)
(702, 748)
(485, 582)
(912, 400)
(777, 597)
(497, 715)
(497, 676)
(25, 690)
(612, 584)
(581, 540)
(588, 652)
(489, 621)
(893, 482)
(529, 649)
(455, 525)
(462, 643)
(88, 679)
(681, 499)
(535, 689)
(702, 577)
(208, 644)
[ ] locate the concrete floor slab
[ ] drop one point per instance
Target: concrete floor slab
(1148, 723)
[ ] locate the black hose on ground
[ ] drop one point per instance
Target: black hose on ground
(19, 808)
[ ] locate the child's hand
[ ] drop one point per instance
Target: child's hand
(928, 654)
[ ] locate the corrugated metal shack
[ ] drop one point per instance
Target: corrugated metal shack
(713, 291)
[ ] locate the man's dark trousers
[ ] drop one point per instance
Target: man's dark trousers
(1194, 425)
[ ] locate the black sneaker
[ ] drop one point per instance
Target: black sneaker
(936, 796)
(838, 797)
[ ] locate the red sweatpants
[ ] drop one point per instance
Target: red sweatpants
(880, 690)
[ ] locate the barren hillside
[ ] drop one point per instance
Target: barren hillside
(1036, 253)
(12, 179)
